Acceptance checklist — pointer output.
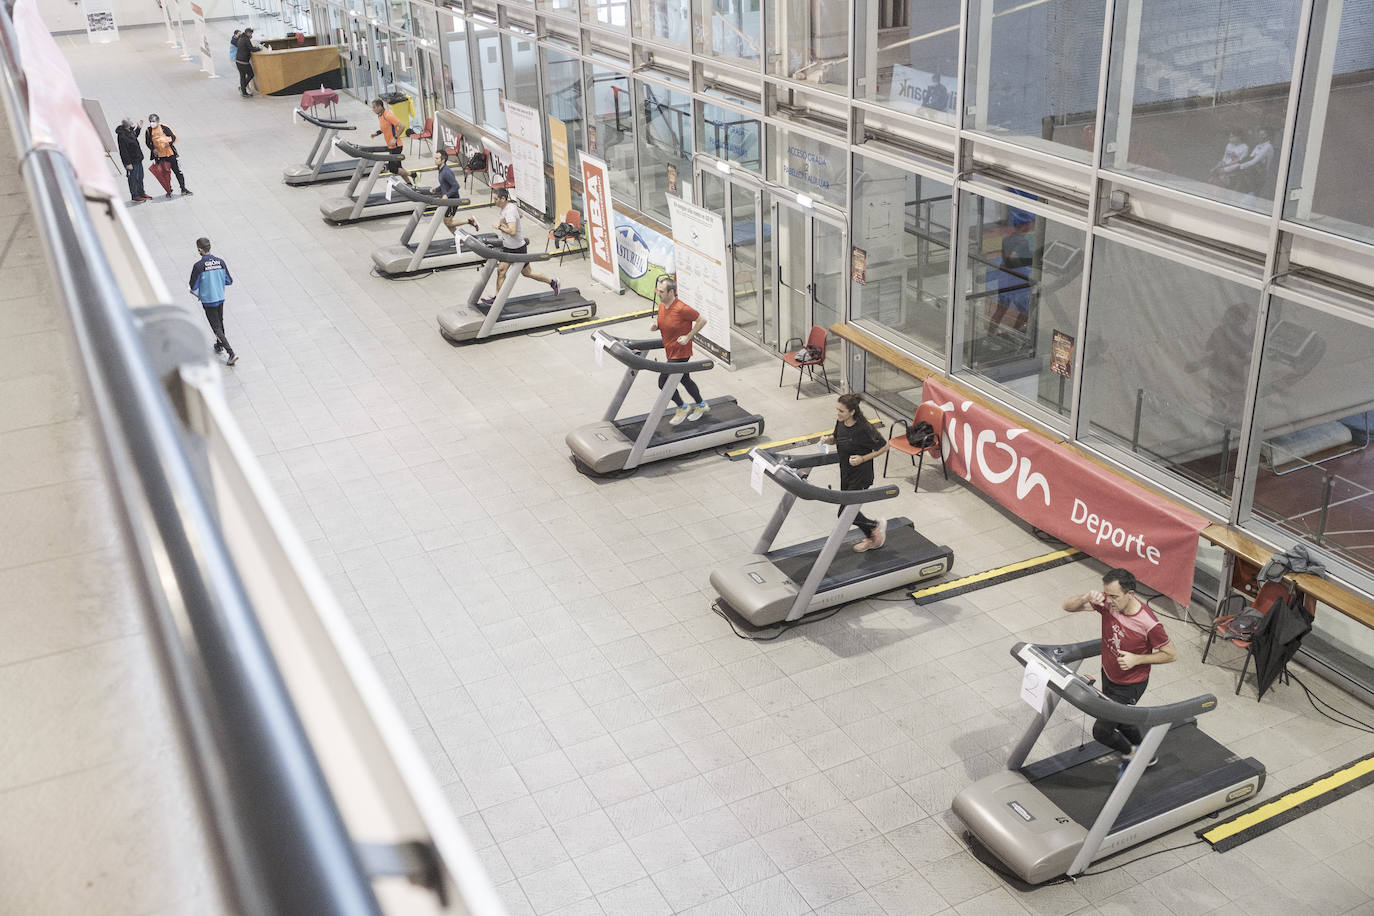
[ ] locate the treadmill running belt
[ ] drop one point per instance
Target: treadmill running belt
(720, 416)
(437, 246)
(538, 304)
(338, 165)
(905, 547)
(1191, 764)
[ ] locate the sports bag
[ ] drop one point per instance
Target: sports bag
(921, 435)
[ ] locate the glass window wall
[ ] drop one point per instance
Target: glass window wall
(1330, 178)
(1311, 472)
(901, 232)
(1200, 107)
(1032, 72)
(664, 121)
(522, 77)
(457, 76)
(1021, 282)
(729, 29)
(611, 130)
(806, 165)
(908, 56)
(563, 99)
(731, 136)
(664, 20)
(490, 89)
(1165, 364)
(611, 14)
(808, 41)
(566, 7)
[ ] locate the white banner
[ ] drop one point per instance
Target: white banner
(207, 60)
(173, 8)
(167, 21)
(525, 128)
(703, 274)
(597, 219)
(100, 22)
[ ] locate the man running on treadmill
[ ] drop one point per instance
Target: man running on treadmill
(449, 187)
(1133, 639)
(394, 136)
(513, 242)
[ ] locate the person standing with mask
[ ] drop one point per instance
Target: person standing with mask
(131, 154)
(161, 142)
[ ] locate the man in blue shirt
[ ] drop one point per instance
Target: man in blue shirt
(209, 277)
(449, 187)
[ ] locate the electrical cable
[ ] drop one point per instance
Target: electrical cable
(1355, 723)
(1157, 852)
(779, 630)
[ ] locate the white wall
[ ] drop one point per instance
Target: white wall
(69, 16)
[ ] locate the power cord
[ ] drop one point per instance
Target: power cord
(1317, 704)
(777, 631)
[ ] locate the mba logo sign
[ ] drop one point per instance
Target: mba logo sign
(596, 195)
(1073, 499)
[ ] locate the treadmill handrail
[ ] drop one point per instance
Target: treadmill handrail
(367, 152)
(327, 123)
(422, 197)
(787, 478)
(471, 243)
(630, 353)
(1077, 691)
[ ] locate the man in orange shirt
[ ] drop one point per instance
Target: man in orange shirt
(679, 323)
(393, 135)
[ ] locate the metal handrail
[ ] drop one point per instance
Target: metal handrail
(283, 844)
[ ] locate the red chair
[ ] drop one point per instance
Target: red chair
(1242, 625)
(507, 182)
(816, 341)
(563, 244)
(422, 136)
(933, 415)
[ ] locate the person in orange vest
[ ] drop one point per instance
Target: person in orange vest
(162, 145)
(393, 135)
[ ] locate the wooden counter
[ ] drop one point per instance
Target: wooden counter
(293, 71)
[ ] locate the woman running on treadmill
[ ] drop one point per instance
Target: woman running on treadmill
(679, 323)
(859, 443)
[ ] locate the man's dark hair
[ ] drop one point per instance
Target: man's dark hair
(1121, 577)
(502, 194)
(203, 244)
(378, 102)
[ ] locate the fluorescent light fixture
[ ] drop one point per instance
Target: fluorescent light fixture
(805, 201)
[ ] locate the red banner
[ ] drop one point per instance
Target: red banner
(596, 203)
(1073, 499)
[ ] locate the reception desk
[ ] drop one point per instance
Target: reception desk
(292, 71)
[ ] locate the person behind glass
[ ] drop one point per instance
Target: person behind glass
(858, 443)
(131, 154)
(513, 241)
(679, 324)
(162, 144)
(209, 277)
(1235, 151)
(393, 135)
(1255, 173)
(449, 187)
(243, 59)
(1133, 640)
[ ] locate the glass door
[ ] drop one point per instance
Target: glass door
(809, 275)
(746, 240)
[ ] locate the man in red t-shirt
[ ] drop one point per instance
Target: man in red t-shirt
(1133, 639)
(678, 322)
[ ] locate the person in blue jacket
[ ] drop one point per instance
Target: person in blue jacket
(234, 46)
(209, 277)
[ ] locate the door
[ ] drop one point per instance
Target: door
(810, 273)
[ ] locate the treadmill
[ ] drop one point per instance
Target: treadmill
(614, 444)
(360, 201)
(478, 320)
(318, 167)
(413, 255)
(788, 584)
(1059, 815)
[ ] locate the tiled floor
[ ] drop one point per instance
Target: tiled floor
(97, 814)
(608, 744)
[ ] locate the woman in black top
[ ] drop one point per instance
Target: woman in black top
(858, 443)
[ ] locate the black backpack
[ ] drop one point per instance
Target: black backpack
(921, 435)
(476, 162)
